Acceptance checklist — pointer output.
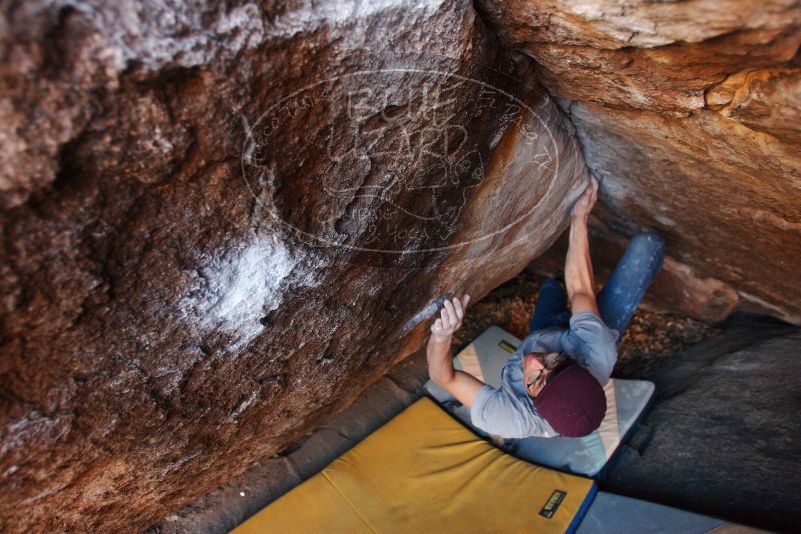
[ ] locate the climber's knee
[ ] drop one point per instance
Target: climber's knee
(648, 243)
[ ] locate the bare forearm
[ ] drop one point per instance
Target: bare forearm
(440, 363)
(578, 266)
(579, 278)
(464, 387)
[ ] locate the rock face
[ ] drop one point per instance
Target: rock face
(221, 223)
(725, 419)
(690, 114)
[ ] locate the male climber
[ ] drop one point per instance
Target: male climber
(552, 384)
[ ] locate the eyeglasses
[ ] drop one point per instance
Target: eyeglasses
(554, 370)
(536, 379)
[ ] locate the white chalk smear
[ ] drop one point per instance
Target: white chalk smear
(239, 288)
(349, 12)
(426, 313)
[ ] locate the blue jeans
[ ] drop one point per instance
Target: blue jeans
(620, 296)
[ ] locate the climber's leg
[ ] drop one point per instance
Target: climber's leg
(626, 287)
(551, 308)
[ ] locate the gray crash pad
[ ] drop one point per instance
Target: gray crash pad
(615, 514)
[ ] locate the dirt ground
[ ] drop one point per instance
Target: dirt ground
(651, 340)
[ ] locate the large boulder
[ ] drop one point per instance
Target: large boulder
(723, 430)
(690, 115)
(221, 222)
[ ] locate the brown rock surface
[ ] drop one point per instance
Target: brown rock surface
(615, 24)
(726, 198)
(221, 223)
(766, 100)
(670, 79)
(689, 114)
(646, 55)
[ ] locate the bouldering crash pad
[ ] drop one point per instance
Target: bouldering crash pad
(423, 471)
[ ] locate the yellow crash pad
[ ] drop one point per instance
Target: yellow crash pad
(425, 472)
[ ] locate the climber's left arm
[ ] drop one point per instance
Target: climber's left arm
(579, 280)
(461, 385)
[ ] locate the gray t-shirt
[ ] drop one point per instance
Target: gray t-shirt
(509, 411)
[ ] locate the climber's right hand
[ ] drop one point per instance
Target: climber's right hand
(585, 203)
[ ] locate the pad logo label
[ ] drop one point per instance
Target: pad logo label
(508, 347)
(553, 503)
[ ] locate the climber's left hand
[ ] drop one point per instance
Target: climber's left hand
(451, 315)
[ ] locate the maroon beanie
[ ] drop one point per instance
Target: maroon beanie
(573, 402)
